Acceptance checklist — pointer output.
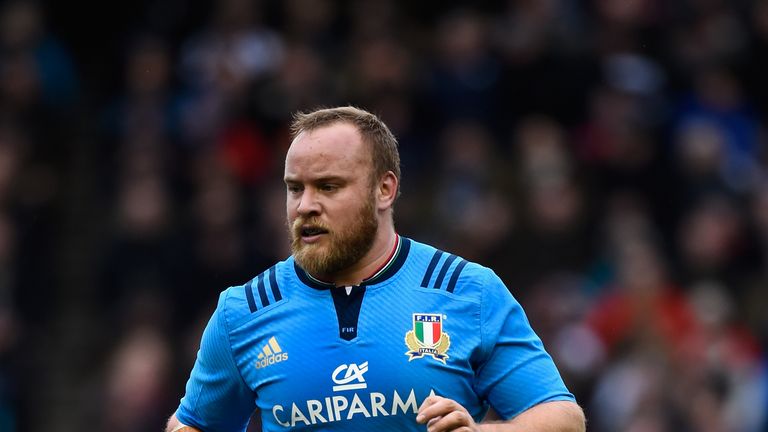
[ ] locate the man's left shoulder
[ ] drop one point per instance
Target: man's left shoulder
(445, 271)
(474, 279)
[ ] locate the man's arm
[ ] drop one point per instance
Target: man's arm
(560, 416)
(444, 415)
(216, 397)
(175, 426)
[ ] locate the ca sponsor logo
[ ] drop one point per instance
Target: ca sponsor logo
(270, 354)
(350, 377)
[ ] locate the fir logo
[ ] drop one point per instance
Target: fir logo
(270, 354)
(427, 337)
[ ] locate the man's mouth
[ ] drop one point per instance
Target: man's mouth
(312, 231)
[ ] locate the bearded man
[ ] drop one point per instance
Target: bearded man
(362, 329)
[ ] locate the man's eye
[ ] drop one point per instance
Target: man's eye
(328, 187)
(294, 189)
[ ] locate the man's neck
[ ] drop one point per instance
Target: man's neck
(371, 263)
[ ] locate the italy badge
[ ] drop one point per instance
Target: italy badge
(427, 337)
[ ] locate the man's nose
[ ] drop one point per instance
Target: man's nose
(308, 203)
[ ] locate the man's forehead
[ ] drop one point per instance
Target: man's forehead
(334, 141)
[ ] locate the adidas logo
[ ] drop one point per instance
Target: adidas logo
(270, 354)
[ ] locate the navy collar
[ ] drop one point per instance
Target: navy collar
(387, 271)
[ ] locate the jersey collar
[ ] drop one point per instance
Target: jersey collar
(387, 270)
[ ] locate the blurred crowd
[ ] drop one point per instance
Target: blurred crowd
(608, 159)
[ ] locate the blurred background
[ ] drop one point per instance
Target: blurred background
(607, 158)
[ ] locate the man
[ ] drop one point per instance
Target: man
(362, 329)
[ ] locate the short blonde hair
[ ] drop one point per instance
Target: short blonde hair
(384, 153)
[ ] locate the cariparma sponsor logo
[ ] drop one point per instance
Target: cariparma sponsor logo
(427, 337)
(270, 354)
(346, 406)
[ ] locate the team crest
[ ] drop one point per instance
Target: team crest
(427, 337)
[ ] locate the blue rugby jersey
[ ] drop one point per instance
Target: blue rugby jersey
(313, 356)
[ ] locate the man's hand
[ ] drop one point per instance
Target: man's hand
(443, 415)
(175, 426)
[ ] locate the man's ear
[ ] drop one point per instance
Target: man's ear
(386, 190)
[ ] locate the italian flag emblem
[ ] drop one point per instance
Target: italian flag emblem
(427, 337)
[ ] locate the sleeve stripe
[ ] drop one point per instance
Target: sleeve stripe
(273, 283)
(455, 276)
(444, 270)
(431, 268)
(262, 291)
(253, 305)
(249, 296)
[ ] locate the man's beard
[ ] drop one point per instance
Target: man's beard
(343, 247)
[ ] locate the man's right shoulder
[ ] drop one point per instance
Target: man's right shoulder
(258, 296)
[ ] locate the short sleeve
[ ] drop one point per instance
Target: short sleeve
(217, 399)
(516, 372)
